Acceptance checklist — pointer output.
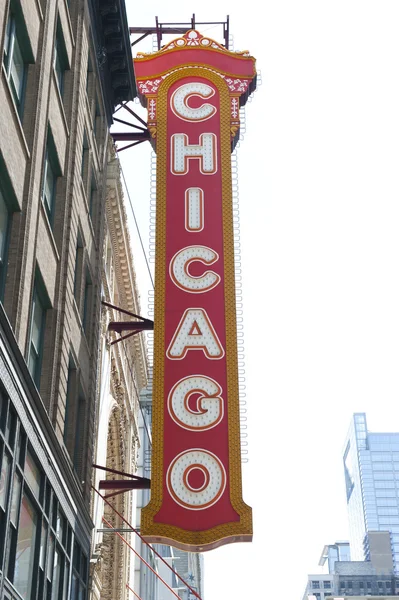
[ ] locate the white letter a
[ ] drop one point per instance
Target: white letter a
(195, 332)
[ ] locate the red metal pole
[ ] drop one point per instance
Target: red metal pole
(147, 544)
(142, 559)
(133, 592)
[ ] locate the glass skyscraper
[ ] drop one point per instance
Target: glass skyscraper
(371, 466)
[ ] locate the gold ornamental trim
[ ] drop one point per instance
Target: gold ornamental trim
(242, 529)
(211, 68)
(193, 40)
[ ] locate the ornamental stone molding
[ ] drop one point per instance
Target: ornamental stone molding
(124, 270)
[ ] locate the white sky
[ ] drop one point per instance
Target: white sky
(319, 194)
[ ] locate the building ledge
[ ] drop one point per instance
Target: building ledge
(113, 50)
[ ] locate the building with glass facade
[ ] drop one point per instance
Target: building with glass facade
(340, 551)
(321, 585)
(371, 467)
(374, 576)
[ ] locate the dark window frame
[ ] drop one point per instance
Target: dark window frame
(50, 161)
(87, 308)
(41, 299)
(53, 531)
(60, 59)
(74, 417)
(32, 350)
(13, 37)
(6, 241)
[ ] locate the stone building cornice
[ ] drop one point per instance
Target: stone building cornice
(124, 271)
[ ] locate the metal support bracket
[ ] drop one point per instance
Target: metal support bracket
(135, 327)
(162, 29)
(122, 485)
(137, 135)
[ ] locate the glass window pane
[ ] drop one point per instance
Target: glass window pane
(61, 528)
(37, 323)
(16, 494)
(17, 70)
(5, 479)
(75, 585)
(66, 581)
(50, 557)
(48, 191)
(32, 473)
(59, 71)
(32, 364)
(83, 567)
(20, 454)
(25, 549)
(56, 575)
(81, 592)
(7, 39)
(43, 545)
(3, 226)
(76, 557)
(10, 427)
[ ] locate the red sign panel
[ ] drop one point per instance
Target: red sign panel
(196, 497)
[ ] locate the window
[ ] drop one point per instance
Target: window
(4, 235)
(70, 417)
(315, 584)
(93, 198)
(33, 474)
(49, 180)
(74, 414)
(36, 539)
(58, 67)
(98, 122)
(385, 493)
(25, 548)
(14, 63)
(89, 75)
(348, 467)
(327, 585)
(384, 485)
(78, 267)
(389, 520)
(85, 156)
(387, 512)
(60, 60)
(78, 445)
(35, 353)
(51, 171)
(87, 302)
(79, 573)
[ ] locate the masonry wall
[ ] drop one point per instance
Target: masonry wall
(59, 252)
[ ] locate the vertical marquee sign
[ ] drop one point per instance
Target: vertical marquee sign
(193, 89)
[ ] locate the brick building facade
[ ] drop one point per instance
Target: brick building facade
(65, 66)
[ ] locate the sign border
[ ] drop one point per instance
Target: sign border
(241, 530)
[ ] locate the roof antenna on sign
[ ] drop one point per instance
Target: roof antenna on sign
(226, 33)
(193, 21)
(158, 33)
